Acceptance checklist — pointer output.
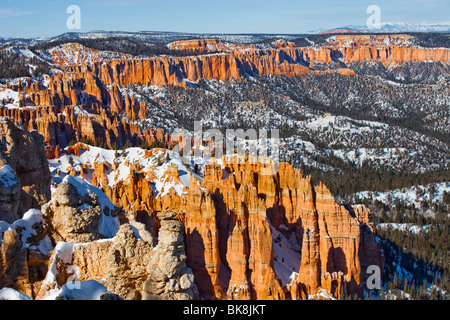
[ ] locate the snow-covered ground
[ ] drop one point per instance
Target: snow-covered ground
(287, 255)
(10, 97)
(404, 227)
(12, 294)
(414, 195)
(157, 165)
(80, 290)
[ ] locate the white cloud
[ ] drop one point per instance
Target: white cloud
(7, 13)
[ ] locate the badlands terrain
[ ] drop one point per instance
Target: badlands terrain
(98, 200)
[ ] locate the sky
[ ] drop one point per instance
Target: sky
(45, 18)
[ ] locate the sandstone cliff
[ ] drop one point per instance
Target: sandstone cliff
(86, 101)
(222, 236)
(232, 221)
(289, 61)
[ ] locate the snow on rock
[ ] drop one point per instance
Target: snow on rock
(80, 290)
(63, 251)
(31, 218)
(10, 98)
(287, 255)
(156, 164)
(9, 94)
(7, 176)
(404, 227)
(108, 225)
(12, 294)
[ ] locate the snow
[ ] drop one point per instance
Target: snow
(9, 94)
(154, 164)
(80, 290)
(11, 98)
(410, 196)
(323, 293)
(287, 255)
(25, 225)
(12, 294)
(8, 176)
(63, 251)
(77, 111)
(404, 227)
(108, 225)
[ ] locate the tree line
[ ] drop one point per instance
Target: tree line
(14, 65)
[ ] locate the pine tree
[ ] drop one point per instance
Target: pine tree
(405, 285)
(383, 294)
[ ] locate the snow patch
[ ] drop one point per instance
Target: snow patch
(25, 225)
(12, 294)
(82, 290)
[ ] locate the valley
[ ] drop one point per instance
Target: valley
(363, 165)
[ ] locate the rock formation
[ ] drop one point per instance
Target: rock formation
(85, 101)
(10, 190)
(169, 276)
(73, 217)
(208, 45)
(227, 220)
(290, 61)
(23, 153)
(127, 265)
(24, 246)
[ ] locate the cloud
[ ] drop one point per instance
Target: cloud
(8, 13)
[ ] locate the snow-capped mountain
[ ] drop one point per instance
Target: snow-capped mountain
(391, 27)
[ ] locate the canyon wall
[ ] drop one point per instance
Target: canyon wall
(231, 219)
(85, 101)
(288, 62)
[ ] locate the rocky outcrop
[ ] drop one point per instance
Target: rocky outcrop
(230, 246)
(24, 245)
(208, 45)
(118, 263)
(85, 101)
(10, 190)
(24, 153)
(60, 126)
(289, 61)
(14, 266)
(76, 54)
(128, 265)
(217, 240)
(72, 217)
(169, 276)
(247, 202)
(223, 236)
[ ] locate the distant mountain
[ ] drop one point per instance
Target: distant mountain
(391, 27)
(148, 36)
(244, 38)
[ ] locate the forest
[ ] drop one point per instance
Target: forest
(122, 45)
(14, 65)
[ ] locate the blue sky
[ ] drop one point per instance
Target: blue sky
(34, 18)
